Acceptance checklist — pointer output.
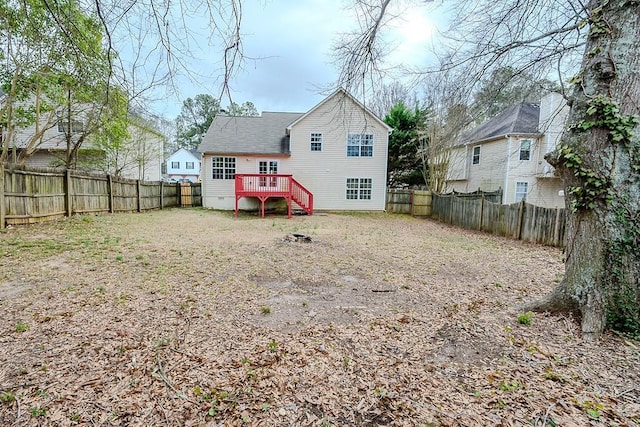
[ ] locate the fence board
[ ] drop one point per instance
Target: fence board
(405, 201)
(421, 203)
(399, 201)
(519, 220)
(30, 198)
(185, 195)
(29, 195)
(90, 194)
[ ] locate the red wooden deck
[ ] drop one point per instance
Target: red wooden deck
(264, 186)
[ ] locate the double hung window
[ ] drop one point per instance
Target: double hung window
(359, 188)
(224, 167)
(360, 145)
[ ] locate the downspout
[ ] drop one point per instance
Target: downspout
(506, 175)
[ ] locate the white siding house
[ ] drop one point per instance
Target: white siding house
(337, 150)
(507, 152)
(184, 164)
(44, 144)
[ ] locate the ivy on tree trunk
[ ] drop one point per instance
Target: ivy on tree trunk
(599, 159)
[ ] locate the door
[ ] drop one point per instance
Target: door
(268, 167)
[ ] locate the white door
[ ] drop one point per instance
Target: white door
(268, 167)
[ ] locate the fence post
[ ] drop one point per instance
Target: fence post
(110, 192)
(139, 195)
(2, 204)
(481, 213)
(520, 219)
(161, 195)
(67, 189)
(450, 208)
(411, 211)
(556, 229)
(178, 195)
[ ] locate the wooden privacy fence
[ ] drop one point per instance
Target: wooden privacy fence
(29, 195)
(519, 220)
(414, 202)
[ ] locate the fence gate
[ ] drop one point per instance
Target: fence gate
(186, 201)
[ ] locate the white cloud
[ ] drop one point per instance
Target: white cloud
(290, 43)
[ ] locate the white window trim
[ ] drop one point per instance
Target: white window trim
(359, 189)
(263, 182)
(522, 141)
(516, 193)
(311, 141)
(224, 168)
(268, 161)
(473, 154)
(361, 135)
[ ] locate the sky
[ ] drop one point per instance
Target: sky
(288, 48)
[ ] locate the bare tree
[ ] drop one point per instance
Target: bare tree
(387, 95)
(146, 45)
(449, 115)
(599, 156)
(162, 44)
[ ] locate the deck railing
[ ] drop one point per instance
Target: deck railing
(264, 186)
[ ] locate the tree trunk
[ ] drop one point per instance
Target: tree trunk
(599, 160)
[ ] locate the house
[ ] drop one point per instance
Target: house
(333, 157)
(142, 151)
(44, 144)
(507, 152)
(184, 164)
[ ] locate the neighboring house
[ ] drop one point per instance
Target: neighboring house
(138, 157)
(333, 157)
(507, 152)
(184, 164)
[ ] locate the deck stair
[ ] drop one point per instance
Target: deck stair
(264, 186)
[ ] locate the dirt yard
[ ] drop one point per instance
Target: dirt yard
(196, 318)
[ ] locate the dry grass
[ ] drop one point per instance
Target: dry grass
(192, 317)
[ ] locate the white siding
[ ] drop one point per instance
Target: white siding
(546, 193)
(51, 146)
(488, 174)
(553, 116)
(220, 193)
(325, 172)
(147, 162)
(500, 164)
(500, 167)
(183, 156)
(459, 161)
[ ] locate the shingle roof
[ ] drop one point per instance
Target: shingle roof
(521, 118)
(265, 134)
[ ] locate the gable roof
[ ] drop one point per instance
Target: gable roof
(265, 134)
(521, 119)
(344, 93)
(192, 153)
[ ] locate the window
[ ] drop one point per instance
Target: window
(175, 165)
(224, 167)
(360, 145)
(475, 159)
(359, 188)
(525, 149)
(76, 126)
(521, 191)
(190, 165)
(268, 168)
(316, 142)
